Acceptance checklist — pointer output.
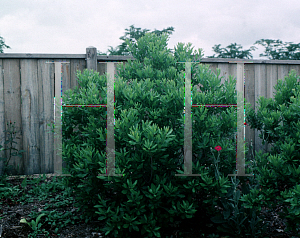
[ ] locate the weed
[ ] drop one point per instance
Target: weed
(17, 153)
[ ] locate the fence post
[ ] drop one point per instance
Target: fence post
(240, 85)
(240, 165)
(91, 58)
(57, 120)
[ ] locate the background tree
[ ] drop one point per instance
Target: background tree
(284, 53)
(275, 50)
(3, 45)
(134, 35)
(233, 52)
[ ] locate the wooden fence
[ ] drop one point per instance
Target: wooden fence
(27, 90)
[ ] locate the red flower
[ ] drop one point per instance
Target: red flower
(218, 148)
(245, 124)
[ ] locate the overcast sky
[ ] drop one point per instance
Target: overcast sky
(69, 26)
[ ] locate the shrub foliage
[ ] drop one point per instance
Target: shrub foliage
(149, 139)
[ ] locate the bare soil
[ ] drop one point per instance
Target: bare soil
(12, 211)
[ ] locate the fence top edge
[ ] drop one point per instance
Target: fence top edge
(62, 56)
(125, 58)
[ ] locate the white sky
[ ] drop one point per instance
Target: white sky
(70, 26)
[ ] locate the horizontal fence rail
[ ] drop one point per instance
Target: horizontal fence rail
(27, 97)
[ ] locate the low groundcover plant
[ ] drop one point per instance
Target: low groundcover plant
(10, 141)
(35, 225)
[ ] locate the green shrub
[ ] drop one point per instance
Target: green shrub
(278, 171)
(149, 139)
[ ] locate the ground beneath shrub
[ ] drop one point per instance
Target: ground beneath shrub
(12, 211)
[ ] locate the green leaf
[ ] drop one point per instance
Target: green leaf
(217, 219)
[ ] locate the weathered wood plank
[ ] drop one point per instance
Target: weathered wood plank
(46, 109)
(30, 114)
(250, 96)
(12, 99)
(2, 115)
(260, 91)
(76, 64)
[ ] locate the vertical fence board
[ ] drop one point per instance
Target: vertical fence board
(46, 89)
(2, 114)
(224, 71)
(213, 68)
(271, 82)
(76, 64)
(261, 91)
(283, 70)
(232, 70)
(250, 96)
(12, 99)
(65, 75)
(66, 82)
(30, 115)
(296, 68)
(101, 68)
(67, 68)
